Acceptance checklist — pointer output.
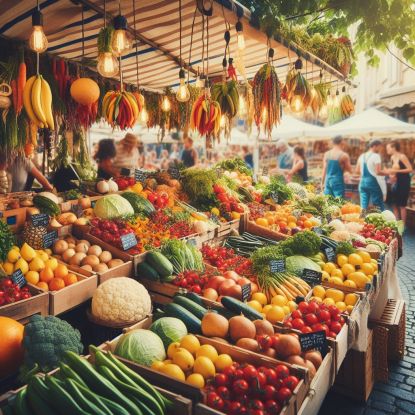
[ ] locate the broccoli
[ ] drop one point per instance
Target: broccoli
(345, 248)
(306, 243)
(45, 341)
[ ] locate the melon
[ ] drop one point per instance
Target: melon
(85, 91)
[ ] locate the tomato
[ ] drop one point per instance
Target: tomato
(221, 379)
(282, 371)
(223, 392)
(265, 342)
(303, 307)
(296, 314)
(290, 382)
(313, 307)
(298, 323)
(256, 404)
(269, 392)
(239, 374)
(325, 328)
(332, 334)
(235, 408)
(317, 327)
(272, 407)
(196, 289)
(323, 316)
(275, 340)
(240, 386)
(271, 376)
(250, 372)
(335, 327)
(214, 400)
(259, 382)
(255, 412)
(306, 329)
(283, 394)
(311, 319)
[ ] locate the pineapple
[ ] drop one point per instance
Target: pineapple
(33, 235)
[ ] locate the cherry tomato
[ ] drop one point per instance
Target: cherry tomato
(265, 342)
(235, 408)
(290, 382)
(221, 379)
(296, 314)
(272, 407)
(311, 319)
(282, 371)
(332, 334)
(256, 404)
(313, 307)
(272, 376)
(214, 400)
(269, 392)
(303, 307)
(298, 323)
(317, 327)
(283, 394)
(223, 392)
(335, 327)
(250, 372)
(240, 386)
(259, 381)
(306, 329)
(323, 316)
(275, 340)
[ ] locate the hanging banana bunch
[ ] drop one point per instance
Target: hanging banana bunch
(37, 102)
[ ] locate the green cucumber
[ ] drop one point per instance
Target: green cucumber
(196, 309)
(194, 297)
(160, 263)
(193, 324)
(239, 307)
(145, 270)
(81, 400)
(224, 311)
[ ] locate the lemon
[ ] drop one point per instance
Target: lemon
(319, 291)
(190, 342)
(341, 306)
(207, 351)
(183, 358)
(364, 255)
(359, 279)
(351, 299)
(321, 264)
(167, 361)
(222, 362)
(173, 371)
(349, 309)
(197, 380)
(266, 308)
(275, 314)
(48, 251)
(52, 263)
(256, 305)
(261, 298)
(367, 268)
(27, 252)
(43, 255)
(348, 269)
(325, 276)
(316, 299)
(22, 265)
(336, 281)
(13, 256)
(337, 273)
(8, 268)
(157, 365)
(172, 348)
(279, 300)
(329, 267)
(336, 295)
(293, 305)
(341, 260)
(286, 309)
(350, 284)
(36, 264)
(329, 301)
(355, 259)
(204, 366)
(32, 277)
(215, 211)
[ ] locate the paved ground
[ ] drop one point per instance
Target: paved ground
(397, 397)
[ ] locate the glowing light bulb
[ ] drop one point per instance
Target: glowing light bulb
(165, 105)
(223, 121)
(143, 116)
(297, 104)
(182, 94)
(242, 109)
(37, 40)
(240, 35)
(107, 65)
(122, 40)
(200, 82)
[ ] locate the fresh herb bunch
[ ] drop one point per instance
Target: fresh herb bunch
(306, 243)
(73, 194)
(7, 240)
(345, 248)
(279, 187)
(183, 256)
(235, 164)
(262, 256)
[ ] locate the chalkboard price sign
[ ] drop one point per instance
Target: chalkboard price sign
(311, 276)
(128, 241)
(277, 265)
(125, 172)
(40, 219)
(314, 341)
(330, 254)
(49, 239)
(18, 278)
(140, 175)
(246, 292)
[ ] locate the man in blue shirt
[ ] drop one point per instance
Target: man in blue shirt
(285, 155)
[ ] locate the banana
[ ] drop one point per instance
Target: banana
(132, 100)
(46, 98)
(37, 100)
(27, 102)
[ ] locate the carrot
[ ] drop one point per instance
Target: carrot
(13, 85)
(21, 82)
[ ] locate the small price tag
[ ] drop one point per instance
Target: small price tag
(49, 239)
(330, 254)
(277, 265)
(77, 210)
(125, 172)
(318, 230)
(140, 175)
(314, 341)
(174, 172)
(18, 278)
(128, 241)
(274, 196)
(40, 219)
(265, 171)
(246, 292)
(192, 241)
(311, 276)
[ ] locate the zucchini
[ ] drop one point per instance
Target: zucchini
(194, 297)
(139, 204)
(239, 307)
(193, 324)
(45, 205)
(224, 311)
(196, 309)
(160, 263)
(145, 270)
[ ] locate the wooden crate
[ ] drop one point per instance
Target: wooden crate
(22, 310)
(394, 319)
(255, 229)
(15, 218)
(161, 292)
(207, 236)
(225, 228)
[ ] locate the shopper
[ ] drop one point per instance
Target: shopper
(299, 165)
(189, 154)
(164, 159)
(285, 156)
(401, 169)
(336, 162)
(248, 156)
(105, 159)
(127, 154)
(372, 187)
(174, 154)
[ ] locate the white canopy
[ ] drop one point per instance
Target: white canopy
(371, 122)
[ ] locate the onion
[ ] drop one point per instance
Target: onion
(314, 357)
(287, 346)
(248, 344)
(224, 287)
(231, 275)
(215, 282)
(210, 294)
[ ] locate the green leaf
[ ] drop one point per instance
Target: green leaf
(408, 53)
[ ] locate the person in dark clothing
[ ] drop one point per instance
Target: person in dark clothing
(400, 173)
(104, 158)
(299, 165)
(248, 157)
(189, 154)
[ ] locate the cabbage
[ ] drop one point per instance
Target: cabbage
(112, 206)
(141, 346)
(169, 329)
(388, 216)
(296, 263)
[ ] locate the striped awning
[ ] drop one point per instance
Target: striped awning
(158, 36)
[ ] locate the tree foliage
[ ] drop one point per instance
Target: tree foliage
(378, 23)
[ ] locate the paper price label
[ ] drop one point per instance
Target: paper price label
(128, 241)
(277, 265)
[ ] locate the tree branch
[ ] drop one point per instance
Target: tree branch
(399, 59)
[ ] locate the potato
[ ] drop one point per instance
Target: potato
(77, 258)
(90, 260)
(100, 267)
(105, 257)
(115, 263)
(82, 247)
(95, 250)
(68, 254)
(60, 246)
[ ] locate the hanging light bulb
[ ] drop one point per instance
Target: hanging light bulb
(242, 109)
(297, 104)
(240, 35)
(222, 121)
(182, 94)
(143, 116)
(122, 40)
(107, 65)
(165, 104)
(200, 81)
(37, 40)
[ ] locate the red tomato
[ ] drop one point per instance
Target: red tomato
(306, 329)
(271, 376)
(335, 327)
(284, 394)
(313, 307)
(240, 386)
(272, 407)
(265, 342)
(332, 334)
(215, 401)
(269, 392)
(317, 327)
(256, 404)
(290, 382)
(275, 340)
(250, 372)
(223, 392)
(296, 314)
(311, 319)
(235, 408)
(298, 323)
(282, 371)
(221, 379)
(303, 307)
(323, 316)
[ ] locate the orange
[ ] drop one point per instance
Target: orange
(32, 277)
(262, 222)
(291, 218)
(329, 267)
(70, 279)
(337, 273)
(11, 351)
(292, 225)
(46, 274)
(61, 271)
(367, 268)
(270, 220)
(56, 284)
(43, 286)
(308, 224)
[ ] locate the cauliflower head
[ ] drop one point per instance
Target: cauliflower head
(121, 300)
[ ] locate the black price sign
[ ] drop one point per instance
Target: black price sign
(77, 210)
(128, 241)
(311, 276)
(318, 230)
(40, 219)
(246, 292)
(174, 172)
(140, 175)
(265, 171)
(49, 239)
(18, 278)
(192, 241)
(125, 172)
(277, 265)
(274, 196)
(330, 254)
(314, 341)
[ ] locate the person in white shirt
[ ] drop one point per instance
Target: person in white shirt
(372, 186)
